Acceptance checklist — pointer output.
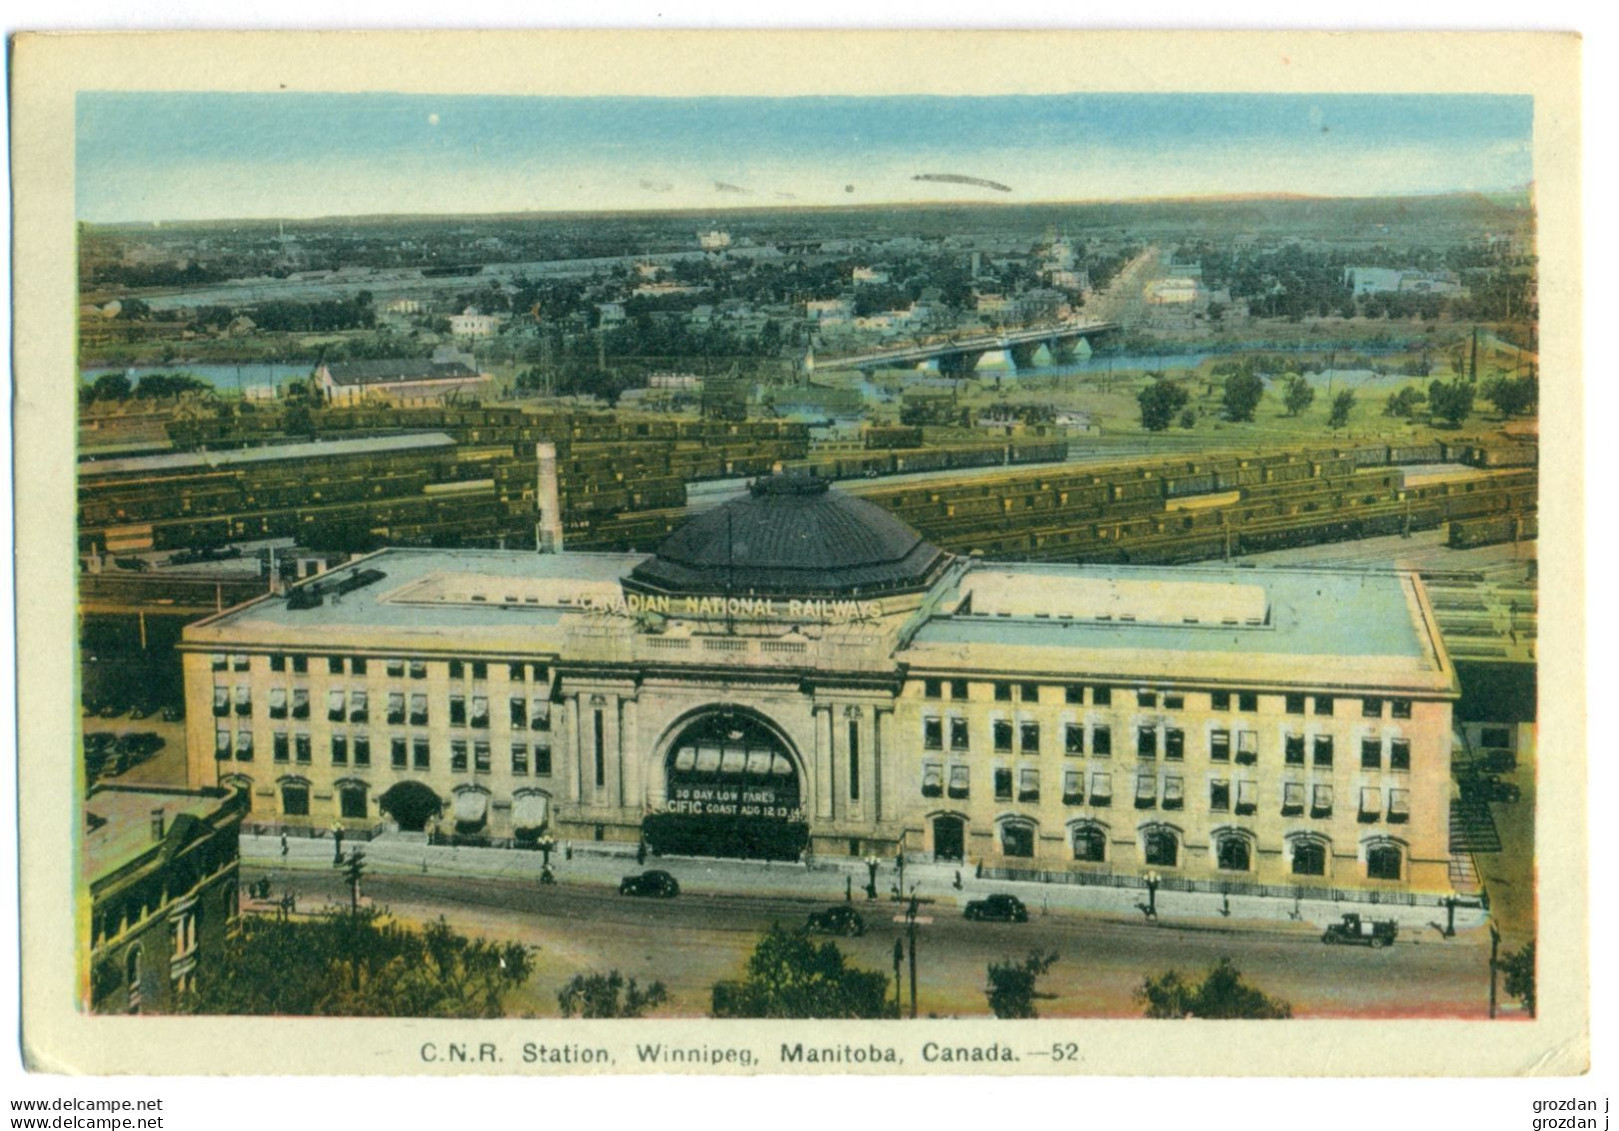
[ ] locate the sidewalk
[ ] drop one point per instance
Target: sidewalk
(823, 880)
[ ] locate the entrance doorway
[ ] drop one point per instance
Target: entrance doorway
(949, 838)
(412, 804)
(732, 789)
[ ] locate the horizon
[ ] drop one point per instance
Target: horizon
(147, 157)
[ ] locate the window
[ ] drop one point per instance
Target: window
(458, 710)
(351, 799)
(1101, 789)
(1174, 744)
(1400, 708)
(1294, 747)
(1029, 737)
(933, 688)
(1102, 741)
(1028, 785)
(542, 760)
(221, 702)
(278, 746)
(300, 665)
(302, 751)
(960, 780)
(1073, 738)
(519, 713)
(278, 663)
(1219, 700)
(362, 750)
(1371, 754)
(1174, 700)
(396, 707)
(418, 669)
(1383, 862)
(1399, 806)
(458, 670)
(1371, 804)
(1146, 699)
(480, 669)
(519, 757)
(1371, 708)
(359, 707)
(1090, 844)
(219, 661)
(458, 756)
(1495, 738)
(221, 745)
(1219, 746)
(238, 662)
(295, 800)
(278, 702)
(1294, 704)
(334, 665)
(1102, 696)
(1002, 731)
(300, 703)
(1309, 858)
(418, 710)
(1220, 795)
(394, 667)
(1074, 694)
(336, 706)
(340, 749)
(1003, 692)
(1146, 791)
(481, 757)
(1322, 750)
(1073, 787)
(1174, 793)
(1146, 742)
(357, 665)
(1292, 798)
(1017, 839)
(421, 754)
(1232, 854)
(1247, 798)
(1247, 747)
(539, 717)
(958, 689)
(1399, 754)
(1003, 785)
(516, 672)
(1321, 800)
(244, 700)
(1162, 849)
(396, 753)
(1029, 692)
(1248, 701)
(933, 733)
(1323, 705)
(480, 712)
(854, 760)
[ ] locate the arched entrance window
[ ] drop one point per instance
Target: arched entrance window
(412, 804)
(949, 837)
(732, 788)
(531, 810)
(1017, 838)
(1161, 847)
(471, 811)
(1090, 844)
(1233, 852)
(1309, 858)
(351, 800)
(1385, 862)
(295, 798)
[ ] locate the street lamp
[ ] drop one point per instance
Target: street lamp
(899, 861)
(1152, 880)
(1450, 914)
(546, 844)
(872, 864)
(910, 931)
(1495, 946)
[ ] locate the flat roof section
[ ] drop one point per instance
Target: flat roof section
(269, 453)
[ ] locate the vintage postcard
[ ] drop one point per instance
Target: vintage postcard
(563, 553)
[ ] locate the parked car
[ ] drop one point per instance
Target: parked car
(655, 883)
(98, 742)
(173, 713)
(840, 920)
(1355, 931)
(1488, 787)
(998, 909)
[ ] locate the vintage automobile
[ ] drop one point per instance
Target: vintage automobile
(997, 909)
(1355, 931)
(654, 883)
(840, 920)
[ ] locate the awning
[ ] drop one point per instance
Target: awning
(300, 698)
(1322, 797)
(335, 701)
(960, 776)
(221, 742)
(1073, 783)
(221, 698)
(542, 711)
(1028, 780)
(1293, 794)
(1101, 785)
(1247, 742)
(781, 766)
(244, 742)
(278, 698)
(1172, 789)
(932, 776)
(418, 704)
(734, 760)
(529, 810)
(480, 710)
(708, 759)
(1146, 787)
(244, 696)
(471, 806)
(1400, 802)
(357, 701)
(1371, 800)
(686, 758)
(758, 762)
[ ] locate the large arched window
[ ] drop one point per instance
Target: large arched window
(1233, 852)
(1090, 844)
(1017, 838)
(1161, 847)
(1385, 862)
(295, 798)
(1309, 857)
(351, 800)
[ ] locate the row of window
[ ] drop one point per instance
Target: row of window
(355, 707)
(517, 671)
(1102, 696)
(1233, 850)
(403, 753)
(1169, 792)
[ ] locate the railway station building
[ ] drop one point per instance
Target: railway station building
(798, 670)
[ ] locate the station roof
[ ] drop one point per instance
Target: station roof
(267, 453)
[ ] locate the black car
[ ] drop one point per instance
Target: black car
(1488, 787)
(657, 883)
(840, 920)
(998, 909)
(173, 713)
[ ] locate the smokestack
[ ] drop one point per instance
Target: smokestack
(548, 534)
(157, 824)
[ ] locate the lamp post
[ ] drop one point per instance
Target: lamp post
(899, 990)
(1450, 914)
(872, 864)
(1495, 946)
(1152, 879)
(910, 930)
(899, 862)
(546, 844)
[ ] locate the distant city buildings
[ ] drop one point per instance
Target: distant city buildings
(714, 240)
(1385, 280)
(399, 380)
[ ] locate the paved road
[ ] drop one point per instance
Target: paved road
(699, 938)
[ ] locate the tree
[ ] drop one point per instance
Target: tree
(1519, 968)
(357, 964)
(597, 995)
(1342, 404)
(297, 420)
(1450, 400)
(109, 387)
(1299, 396)
(1221, 995)
(792, 975)
(1512, 395)
(1404, 403)
(1013, 986)
(1243, 392)
(1159, 402)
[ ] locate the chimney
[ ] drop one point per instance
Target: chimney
(157, 824)
(548, 533)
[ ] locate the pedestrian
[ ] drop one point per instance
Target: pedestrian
(337, 842)
(567, 850)
(958, 879)
(640, 852)
(978, 873)
(848, 889)
(283, 843)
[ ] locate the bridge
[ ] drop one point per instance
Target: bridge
(960, 356)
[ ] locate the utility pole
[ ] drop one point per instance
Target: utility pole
(910, 929)
(899, 988)
(1495, 946)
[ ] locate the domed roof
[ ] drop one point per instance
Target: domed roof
(792, 535)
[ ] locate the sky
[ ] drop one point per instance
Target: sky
(198, 156)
